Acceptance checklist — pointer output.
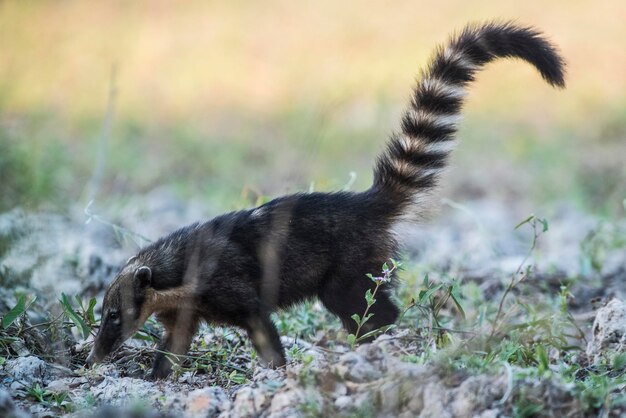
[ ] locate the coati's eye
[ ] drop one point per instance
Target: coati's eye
(114, 315)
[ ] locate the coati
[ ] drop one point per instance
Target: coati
(239, 267)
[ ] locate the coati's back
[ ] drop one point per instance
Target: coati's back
(339, 237)
(239, 267)
(283, 251)
(304, 241)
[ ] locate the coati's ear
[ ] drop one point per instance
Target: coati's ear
(144, 275)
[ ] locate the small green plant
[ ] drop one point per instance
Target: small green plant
(433, 297)
(13, 325)
(237, 377)
(20, 337)
(304, 320)
(370, 299)
(539, 226)
(50, 399)
(84, 319)
(601, 388)
(527, 409)
(426, 312)
(18, 310)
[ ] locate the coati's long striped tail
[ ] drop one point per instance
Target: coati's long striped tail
(414, 157)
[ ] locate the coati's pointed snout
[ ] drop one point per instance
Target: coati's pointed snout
(102, 347)
(122, 311)
(96, 355)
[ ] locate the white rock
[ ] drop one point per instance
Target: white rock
(206, 402)
(343, 402)
(340, 389)
(243, 405)
(489, 413)
(283, 400)
(187, 377)
(58, 386)
(354, 367)
(261, 399)
(608, 331)
(26, 370)
(284, 404)
(123, 391)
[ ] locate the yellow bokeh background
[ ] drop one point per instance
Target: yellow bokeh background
(277, 95)
(186, 59)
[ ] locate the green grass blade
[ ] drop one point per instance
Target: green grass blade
(14, 313)
(73, 316)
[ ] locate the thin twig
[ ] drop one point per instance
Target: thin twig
(514, 282)
(116, 228)
(41, 324)
(454, 331)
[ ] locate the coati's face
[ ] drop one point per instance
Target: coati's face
(124, 310)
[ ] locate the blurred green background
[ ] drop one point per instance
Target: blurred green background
(230, 101)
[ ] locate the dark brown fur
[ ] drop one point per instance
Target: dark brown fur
(239, 267)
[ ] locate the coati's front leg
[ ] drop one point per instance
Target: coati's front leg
(265, 338)
(180, 327)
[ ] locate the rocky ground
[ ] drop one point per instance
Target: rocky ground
(556, 348)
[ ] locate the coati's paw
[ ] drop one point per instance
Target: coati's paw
(276, 361)
(158, 373)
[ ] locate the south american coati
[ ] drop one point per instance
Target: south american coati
(239, 267)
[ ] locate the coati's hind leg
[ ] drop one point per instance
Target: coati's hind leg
(265, 339)
(180, 327)
(384, 311)
(346, 296)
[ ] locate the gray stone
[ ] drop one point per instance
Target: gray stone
(343, 402)
(125, 390)
(354, 367)
(390, 397)
(261, 399)
(26, 370)
(206, 402)
(608, 332)
(244, 403)
(58, 386)
(284, 403)
(340, 389)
